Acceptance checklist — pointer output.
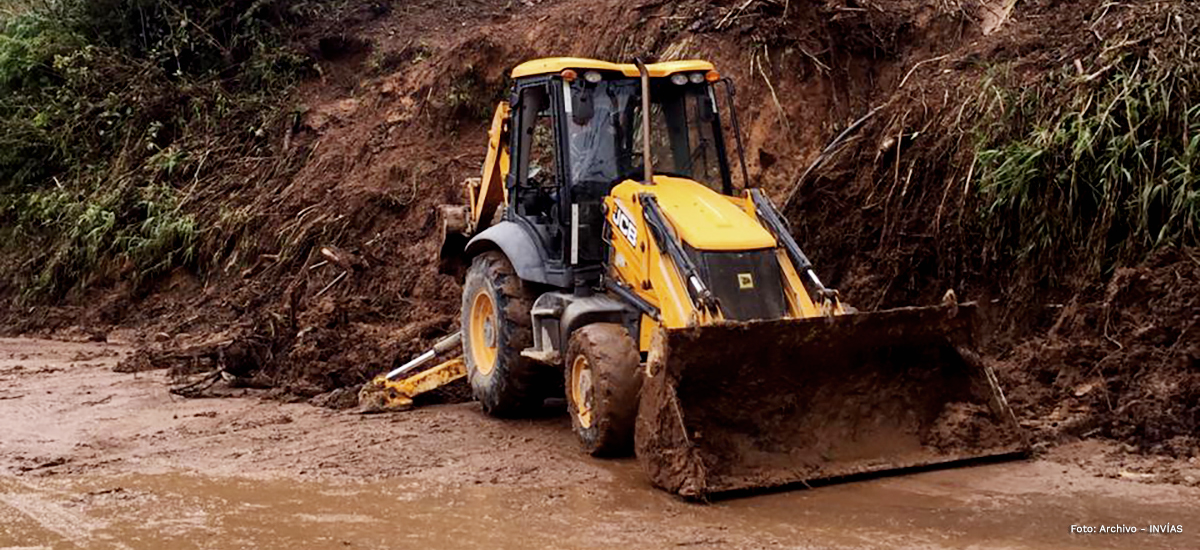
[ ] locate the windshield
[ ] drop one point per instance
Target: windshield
(605, 128)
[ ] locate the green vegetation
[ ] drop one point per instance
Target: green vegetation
(1100, 161)
(112, 111)
(469, 96)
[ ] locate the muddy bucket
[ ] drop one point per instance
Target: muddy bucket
(762, 404)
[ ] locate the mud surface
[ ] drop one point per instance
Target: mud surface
(90, 458)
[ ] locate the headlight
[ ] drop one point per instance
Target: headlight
(679, 79)
(592, 76)
(696, 78)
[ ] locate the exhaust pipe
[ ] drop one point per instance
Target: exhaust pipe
(646, 165)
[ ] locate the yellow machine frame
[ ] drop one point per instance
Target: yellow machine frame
(831, 389)
(382, 394)
(648, 270)
(701, 216)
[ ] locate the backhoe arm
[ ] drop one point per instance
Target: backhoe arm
(489, 192)
(484, 195)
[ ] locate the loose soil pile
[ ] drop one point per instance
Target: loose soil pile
(1121, 361)
(328, 275)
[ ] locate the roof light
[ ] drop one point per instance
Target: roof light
(679, 79)
(712, 76)
(568, 75)
(592, 76)
(696, 78)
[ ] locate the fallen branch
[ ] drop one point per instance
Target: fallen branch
(919, 63)
(343, 259)
(825, 154)
(775, 98)
(330, 285)
(203, 383)
(732, 12)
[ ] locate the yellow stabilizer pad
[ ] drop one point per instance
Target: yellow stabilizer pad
(383, 395)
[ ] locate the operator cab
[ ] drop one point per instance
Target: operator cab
(577, 133)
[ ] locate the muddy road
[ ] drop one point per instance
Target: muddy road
(90, 458)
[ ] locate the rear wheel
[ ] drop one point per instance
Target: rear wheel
(496, 327)
(602, 383)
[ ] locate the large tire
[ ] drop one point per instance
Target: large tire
(602, 384)
(496, 327)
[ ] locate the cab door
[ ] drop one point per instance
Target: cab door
(536, 179)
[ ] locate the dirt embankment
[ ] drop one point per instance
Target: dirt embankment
(390, 130)
(397, 120)
(1121, 361)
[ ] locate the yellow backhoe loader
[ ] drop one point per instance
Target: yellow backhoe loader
(605, 252)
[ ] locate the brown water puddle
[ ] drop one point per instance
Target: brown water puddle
(90, 458)
(996, 506)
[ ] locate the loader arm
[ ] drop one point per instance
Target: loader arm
(775, 381)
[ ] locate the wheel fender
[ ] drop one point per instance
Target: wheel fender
(597, 309)
(516, 244)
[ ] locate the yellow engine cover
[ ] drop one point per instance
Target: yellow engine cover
(703, 218)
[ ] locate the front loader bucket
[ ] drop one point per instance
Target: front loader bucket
(763, 404)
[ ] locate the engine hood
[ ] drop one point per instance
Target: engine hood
(703, 218)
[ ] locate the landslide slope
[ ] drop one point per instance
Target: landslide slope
(1026, 156)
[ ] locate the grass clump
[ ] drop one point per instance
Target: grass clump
(1097, 162)
(112, 110)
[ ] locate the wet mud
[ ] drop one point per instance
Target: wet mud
(987, 507)
(90, 458)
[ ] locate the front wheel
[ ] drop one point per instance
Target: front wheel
(496, 326)
(602, 384)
